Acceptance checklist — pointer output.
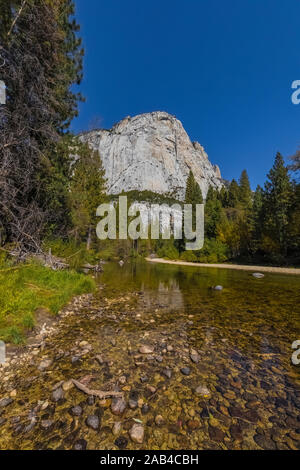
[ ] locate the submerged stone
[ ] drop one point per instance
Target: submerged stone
(195, 357)
(145, 409)
(202, 390)
(44, 365)
(58, 395)
(116, 428)
(185, 371)
(47, 423)
(76, 411)
(93, 422)
(137, 433)
(145, 349)
(5, 402)
(121, 442)
(81, 444)
(159, 420)
(118, 406)
(258, 275)
(167, 373)
(216, 434)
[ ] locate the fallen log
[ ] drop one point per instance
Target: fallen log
(97, 393)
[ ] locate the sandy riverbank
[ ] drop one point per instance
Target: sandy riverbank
(239, 267)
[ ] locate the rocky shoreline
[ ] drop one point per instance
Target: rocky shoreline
(113, 373)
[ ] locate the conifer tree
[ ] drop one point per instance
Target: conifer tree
(213, 213)
(198, 197)
(43, 59)
(295, 166)
(233, 194)
(87, 192)
(277, 203)
(189, 188)
(257, 218)
(293, 230)
(193, 194)
(223, 196)
(245, 193)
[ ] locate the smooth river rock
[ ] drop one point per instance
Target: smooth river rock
(5, 402)
(145, 349)
(93, 422)
(258, 275)
(137, 433)
(202, 390)
(118, 406)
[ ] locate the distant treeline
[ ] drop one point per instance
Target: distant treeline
(260, 226)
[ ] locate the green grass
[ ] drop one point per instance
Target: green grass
(25, 288)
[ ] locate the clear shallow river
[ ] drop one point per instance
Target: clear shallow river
(239, 390)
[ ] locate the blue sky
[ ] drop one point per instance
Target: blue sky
(224, 68)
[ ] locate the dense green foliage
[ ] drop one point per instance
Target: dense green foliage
(43, 60)
(245, 226)
(87, 192)
(25, 288)
(193, 194)
(262, 226)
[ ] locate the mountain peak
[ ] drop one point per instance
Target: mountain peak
(152, 151)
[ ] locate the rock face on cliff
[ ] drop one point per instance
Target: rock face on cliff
(152, 152)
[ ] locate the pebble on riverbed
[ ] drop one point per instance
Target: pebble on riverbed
(159, 420)
(117, 428)
(58, 395)
(137, 433)
(5, 402)
(202, 390)
(145, 349)
(258, 275)
(93, 422)
(46, 424)
(118, 406)
(81, 444)
(76, 411)
(195, 357)
(121, 442)
(167, 373)
(44, 365)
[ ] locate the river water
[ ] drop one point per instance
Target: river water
(217, 375)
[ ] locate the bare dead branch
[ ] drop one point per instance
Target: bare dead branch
(96, 393)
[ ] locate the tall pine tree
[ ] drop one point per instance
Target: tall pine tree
(87, 192)
(295, 166)
(245, 193)
(277, 204)
(193, 194)
(233, 194)
(42, 59)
